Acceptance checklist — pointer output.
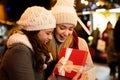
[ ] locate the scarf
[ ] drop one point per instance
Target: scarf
(71, 42)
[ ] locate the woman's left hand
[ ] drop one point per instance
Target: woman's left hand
(81, 75)
(51, 76)
(84, 76)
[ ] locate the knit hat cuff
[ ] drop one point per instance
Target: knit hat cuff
(36, 27)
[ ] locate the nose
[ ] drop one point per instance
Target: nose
(66, 32)
(50, 36)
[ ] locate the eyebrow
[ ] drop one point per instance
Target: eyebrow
(48, 31)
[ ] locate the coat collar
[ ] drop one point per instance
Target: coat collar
(18, 38)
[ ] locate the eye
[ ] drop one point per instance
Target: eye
(49, 33)
(62, 27)
(71, 29)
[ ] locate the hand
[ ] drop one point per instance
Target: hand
(81, 75)
(84, 76)
(51, 76)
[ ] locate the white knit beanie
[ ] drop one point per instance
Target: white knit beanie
(36, 18)
(65, 12)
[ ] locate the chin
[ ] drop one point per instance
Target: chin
(61, 41)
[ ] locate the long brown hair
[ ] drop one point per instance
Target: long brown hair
(38, 48)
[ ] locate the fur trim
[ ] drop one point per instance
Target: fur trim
(18, 38)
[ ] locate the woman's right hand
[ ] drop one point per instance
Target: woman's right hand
(51, 76)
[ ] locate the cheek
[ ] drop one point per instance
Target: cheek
(58, 31)
(41, 37)
(70, 32)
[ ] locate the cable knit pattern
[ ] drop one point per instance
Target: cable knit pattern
(65, 12)
(18, 38)
(36, 18)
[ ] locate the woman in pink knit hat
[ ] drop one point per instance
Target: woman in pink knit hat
(26, 55)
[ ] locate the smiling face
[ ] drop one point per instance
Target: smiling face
(62, 31)
(45, 35)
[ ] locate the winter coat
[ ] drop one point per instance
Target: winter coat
(111, 54)
(18, 61)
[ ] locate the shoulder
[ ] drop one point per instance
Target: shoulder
(81, 40)
(17, 50)
(82, 44)
(19, 47)
(18, 54)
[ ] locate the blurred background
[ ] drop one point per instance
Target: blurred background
(14, 8)
(93, 14)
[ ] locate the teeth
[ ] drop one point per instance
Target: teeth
(62, 36)
(46, 41)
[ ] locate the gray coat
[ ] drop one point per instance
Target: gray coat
(17, 62)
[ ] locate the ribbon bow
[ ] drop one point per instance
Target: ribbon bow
(67, 66)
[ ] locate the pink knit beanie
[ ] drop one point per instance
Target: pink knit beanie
(65, 12)
(36, 18)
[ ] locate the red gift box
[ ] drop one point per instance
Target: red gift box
(70, 62)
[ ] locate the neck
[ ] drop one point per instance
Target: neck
(57, 42)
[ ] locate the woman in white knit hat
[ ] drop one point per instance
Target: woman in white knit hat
(65, 36)
(27, 56)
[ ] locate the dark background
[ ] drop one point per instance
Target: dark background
(15, 8)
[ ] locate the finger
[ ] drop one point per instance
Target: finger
(78, 74)
(84, 76)
(51, 76)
